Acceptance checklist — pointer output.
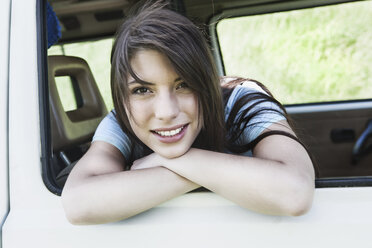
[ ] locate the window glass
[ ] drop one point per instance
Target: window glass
(97, 55)
(66, 92)
(309, 55)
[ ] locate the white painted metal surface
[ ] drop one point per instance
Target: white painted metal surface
(340, 217)
(4, 42)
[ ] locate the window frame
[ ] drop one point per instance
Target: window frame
(45, 126)
(267, 8)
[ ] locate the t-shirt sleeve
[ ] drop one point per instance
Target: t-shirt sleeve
(267, 112)
(109, 131)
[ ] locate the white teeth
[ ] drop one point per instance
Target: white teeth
(169, 133)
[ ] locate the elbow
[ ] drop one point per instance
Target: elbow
(299, 209)
(300, 191)
(75, 218)
(74, 210)
(300, 201)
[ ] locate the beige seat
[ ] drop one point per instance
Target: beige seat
(72, 129)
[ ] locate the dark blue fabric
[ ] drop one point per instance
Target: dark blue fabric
(53, 27)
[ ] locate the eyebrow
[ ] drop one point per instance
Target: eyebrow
(148, 83)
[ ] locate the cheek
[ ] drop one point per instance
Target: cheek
(138, 114)
(198, 112)
(190, 106)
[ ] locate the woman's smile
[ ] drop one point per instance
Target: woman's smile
(169, 131)
(164, 112)
(171, 135)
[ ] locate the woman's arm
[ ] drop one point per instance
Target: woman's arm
(99, 191)
(278, 180)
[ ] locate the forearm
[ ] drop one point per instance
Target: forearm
(262, 185)
(116, 196)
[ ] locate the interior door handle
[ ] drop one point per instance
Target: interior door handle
(361, 148)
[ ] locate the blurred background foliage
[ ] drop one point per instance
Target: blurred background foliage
(310, 55)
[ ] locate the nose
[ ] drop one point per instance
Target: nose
(166, 106)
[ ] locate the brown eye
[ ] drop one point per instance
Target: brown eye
(182, 85)
(140, 90)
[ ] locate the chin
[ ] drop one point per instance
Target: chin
(171, 153)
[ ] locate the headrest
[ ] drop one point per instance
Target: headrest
(77, 126)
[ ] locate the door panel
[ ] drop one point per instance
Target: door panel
(340, 217)
(4, 42)
(315, 125)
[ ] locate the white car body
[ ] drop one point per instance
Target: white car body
(31, 216)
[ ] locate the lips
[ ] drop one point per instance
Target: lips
(170, 135)
(170, 132)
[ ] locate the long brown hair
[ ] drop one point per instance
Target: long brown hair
(158, 28)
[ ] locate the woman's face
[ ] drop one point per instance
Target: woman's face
(164, 110)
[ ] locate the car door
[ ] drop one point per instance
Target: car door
(339, 217)
(4, 49)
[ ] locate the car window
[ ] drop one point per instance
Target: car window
(65, 87)
(97, 55)
(306, 55)
(310, 55)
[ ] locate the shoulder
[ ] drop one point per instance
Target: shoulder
(252, 108)
(108, 125)
(243, 85)
(109, 131)
(240, 87)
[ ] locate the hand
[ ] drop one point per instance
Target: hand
(149, 161)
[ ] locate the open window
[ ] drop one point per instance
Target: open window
(315, 57)
(73, 122)
(76, 91)
(317, 61)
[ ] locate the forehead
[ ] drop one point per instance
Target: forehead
(152, 66)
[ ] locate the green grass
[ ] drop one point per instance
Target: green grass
(311, 55)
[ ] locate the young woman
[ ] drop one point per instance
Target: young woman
(177, 126)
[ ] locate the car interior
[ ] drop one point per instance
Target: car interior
(72, 130)
(337, 133)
